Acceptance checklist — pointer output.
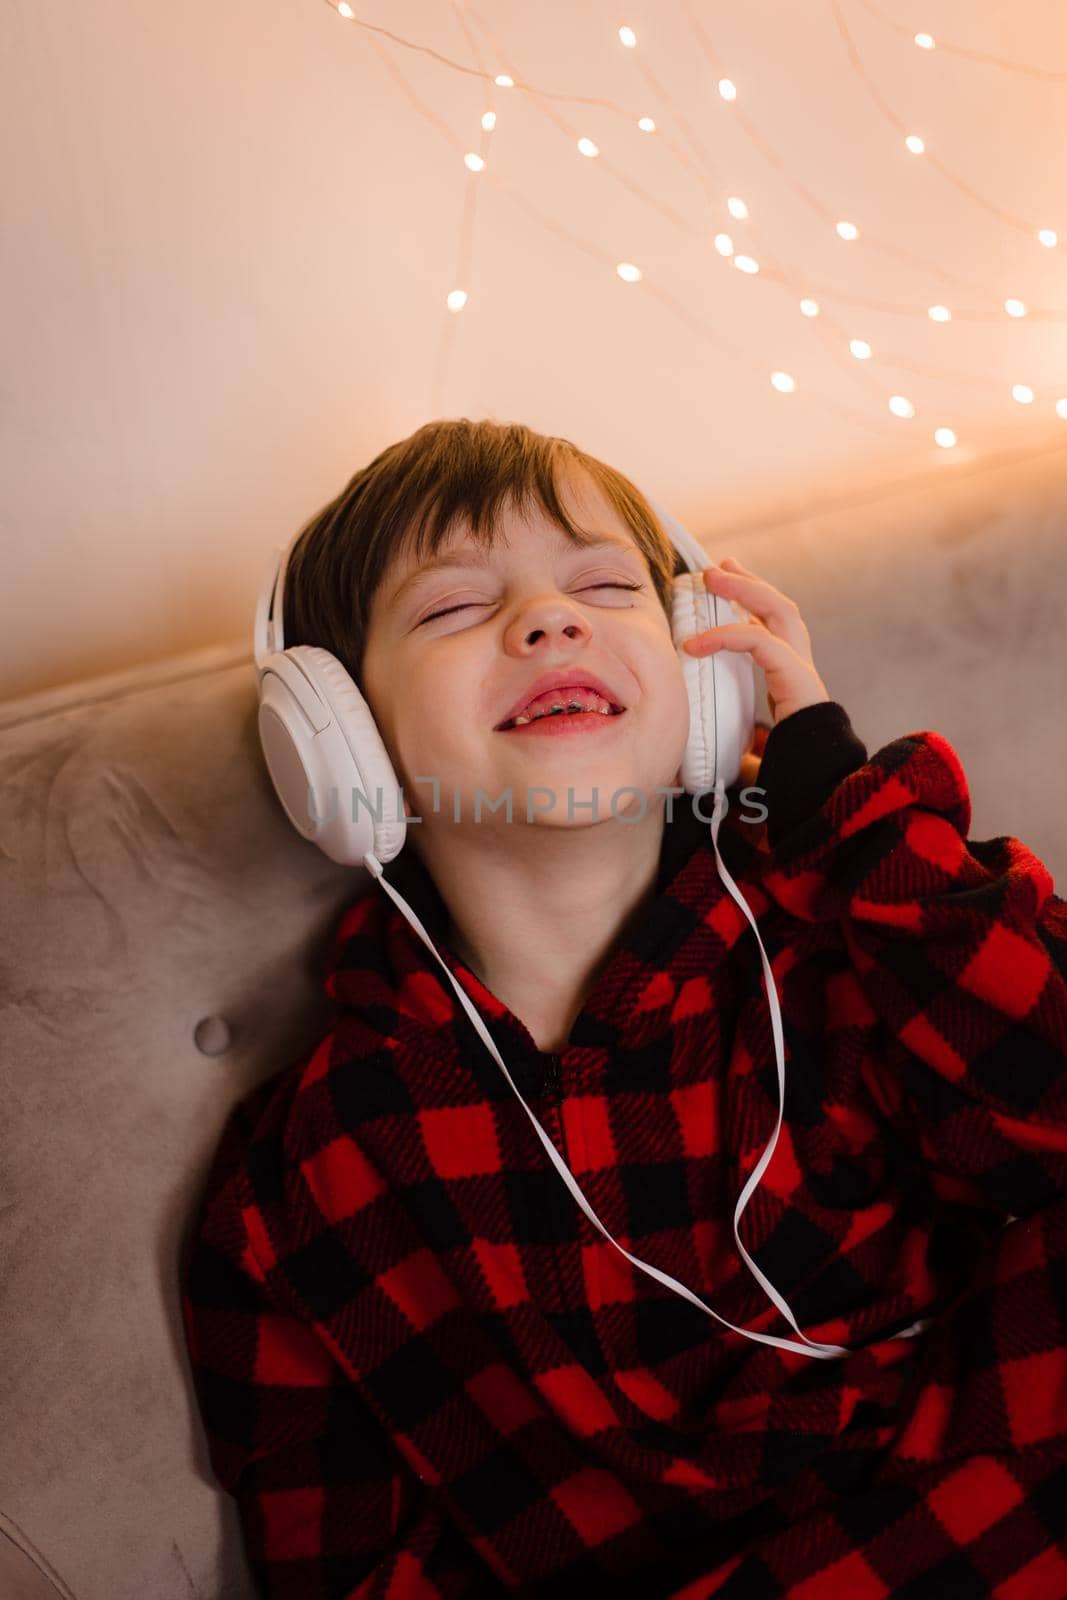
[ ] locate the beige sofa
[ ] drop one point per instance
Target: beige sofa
(162, 940)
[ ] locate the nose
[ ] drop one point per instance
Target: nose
(551, 615)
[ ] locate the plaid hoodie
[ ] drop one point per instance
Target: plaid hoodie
(422, 1371)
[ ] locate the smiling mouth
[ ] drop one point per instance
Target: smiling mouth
(563, 702)
(561, 713)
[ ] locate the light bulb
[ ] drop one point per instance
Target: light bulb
(727, 89)
(737, 208)
(457, 299)
(646, 124)
(900, 406)
(1061, 407)
(1015, 308)
(345, 10)
(628, 272)
(848, 230)
(915, 144)
(724, 244)
(1023, 393)
(939, 314)
(783, 382)
(924, 41)
(588, 148)
(488, 120)
(502, 81)
(1048, 236)
(474, 162)
(628, 37)
(809, 308)
(945, 438)
(746, 264)
(860, 349)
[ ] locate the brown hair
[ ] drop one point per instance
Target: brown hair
(411, 495)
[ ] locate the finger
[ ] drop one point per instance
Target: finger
(780, 662)
(736, 636)
(791, 681)
(738, 566)
(762, 600)
(735, 569)
(779, 614)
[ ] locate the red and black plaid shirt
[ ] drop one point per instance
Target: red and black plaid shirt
(423, 1372)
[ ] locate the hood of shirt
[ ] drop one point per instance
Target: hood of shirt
(379, 969)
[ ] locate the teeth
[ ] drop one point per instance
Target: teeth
(552, 711)
(557, 710)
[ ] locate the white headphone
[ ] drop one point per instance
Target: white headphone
(319, 736)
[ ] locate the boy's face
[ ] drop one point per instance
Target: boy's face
(439, 685)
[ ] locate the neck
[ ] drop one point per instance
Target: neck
(536, 912)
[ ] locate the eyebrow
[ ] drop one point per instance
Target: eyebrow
(470, 555)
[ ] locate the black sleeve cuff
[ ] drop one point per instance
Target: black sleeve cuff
(805, 757)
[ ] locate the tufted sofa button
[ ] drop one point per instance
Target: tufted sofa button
(212, 1035)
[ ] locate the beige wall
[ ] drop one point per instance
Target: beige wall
(231, 231)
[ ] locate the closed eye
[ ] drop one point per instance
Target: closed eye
(468, 603)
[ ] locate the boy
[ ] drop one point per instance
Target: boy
(420, 1369)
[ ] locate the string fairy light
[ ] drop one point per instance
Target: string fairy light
(1046, 236)
(829, 333)
(629, 272)
(723, 245)
(800, 190)
(723, 242)
(457, 297)
(847, 230)
(925, 41)
(711, 334)
(844, 294)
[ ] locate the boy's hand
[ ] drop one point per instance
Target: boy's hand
(774, 635)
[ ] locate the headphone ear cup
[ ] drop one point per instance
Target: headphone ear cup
(721, 689)
(320, 738)
(370, 758)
